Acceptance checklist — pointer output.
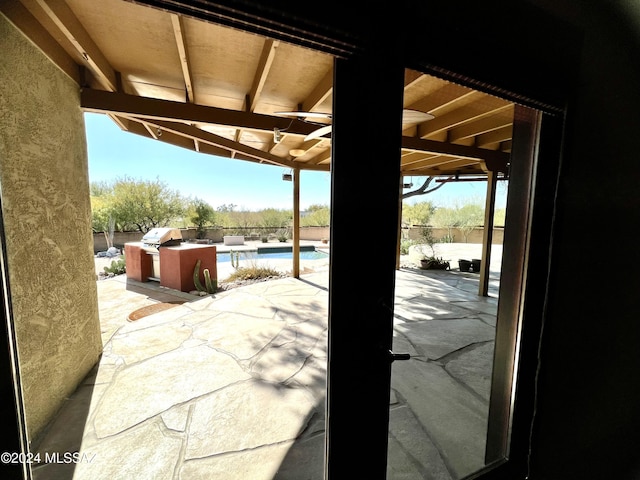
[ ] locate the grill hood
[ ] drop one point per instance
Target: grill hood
(162, 237)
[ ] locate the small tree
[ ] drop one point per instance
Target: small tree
(429, 239)
(201, 215)
(102, 219)
(469, 217)
(146, 204)
(446, 218)
(417, 214)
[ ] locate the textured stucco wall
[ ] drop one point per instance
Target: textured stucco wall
(46, 209)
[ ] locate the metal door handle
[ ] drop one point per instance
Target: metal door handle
(398, 356)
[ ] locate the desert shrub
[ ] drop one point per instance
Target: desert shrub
(253, 272)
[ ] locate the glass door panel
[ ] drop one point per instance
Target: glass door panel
(446, 311)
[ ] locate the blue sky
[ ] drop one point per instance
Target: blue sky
(251, 186)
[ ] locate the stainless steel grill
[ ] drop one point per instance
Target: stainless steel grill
(162, 237)
(156, 238)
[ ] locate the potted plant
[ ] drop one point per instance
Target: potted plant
(283, 236)
(464, 265)
(475, 265)
(434, 263)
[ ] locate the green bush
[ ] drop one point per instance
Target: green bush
(117, 267)
(405, 243)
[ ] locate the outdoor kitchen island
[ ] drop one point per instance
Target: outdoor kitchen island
(162, 256)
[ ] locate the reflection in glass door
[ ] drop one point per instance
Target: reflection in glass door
(445, 313)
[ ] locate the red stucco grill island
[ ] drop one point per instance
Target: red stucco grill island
(162, 256)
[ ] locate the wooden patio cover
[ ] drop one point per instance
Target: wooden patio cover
(218, 90)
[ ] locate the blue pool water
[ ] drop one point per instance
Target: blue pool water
(268, 253)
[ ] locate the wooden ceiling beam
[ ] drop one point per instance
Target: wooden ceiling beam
(165, 110)
(181, 43)
(153, 134)
(501, 134)
(321, 160)
(120, 122)
(459, 163)
(262, 72)
(499, 119)
(169, 138)
(417, 157)
(320, 92)
(440, 98)
(444, 148)
(183, 141)
(183, 53)
(454, 167)
(99, 101)
(217, 141)
(66, 21)
(412, 77)
(483, 106)
(432, 162)
(437, 162)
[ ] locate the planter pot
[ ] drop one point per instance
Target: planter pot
(475, 265)
(431, 265)
(464, 265)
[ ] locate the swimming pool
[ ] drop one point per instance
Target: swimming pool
(271, 253)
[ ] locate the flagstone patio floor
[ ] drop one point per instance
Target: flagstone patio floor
(232, 386)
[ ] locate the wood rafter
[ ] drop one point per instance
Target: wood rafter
(262, 72)
(417, 157)
(481, 106)
(232, 148)
(151, 108)
(432, 146)
(434, 162)
(446, 167)
(181, 43)
(498, 135)
(500, 118)
(470, 128)
(69, 25)
(121, 122)
(183, 52)
(320, 159)
(441, 98)
(320, 93)
(412, 77)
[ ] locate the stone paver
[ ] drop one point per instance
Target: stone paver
(232, 386)
(437, 338)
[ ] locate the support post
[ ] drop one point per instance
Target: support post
(487, 236)
(399, 239)
(296, 223)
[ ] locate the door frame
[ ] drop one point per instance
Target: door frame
(14, 439)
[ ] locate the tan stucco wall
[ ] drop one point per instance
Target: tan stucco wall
(46, 209)
(475, 236)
